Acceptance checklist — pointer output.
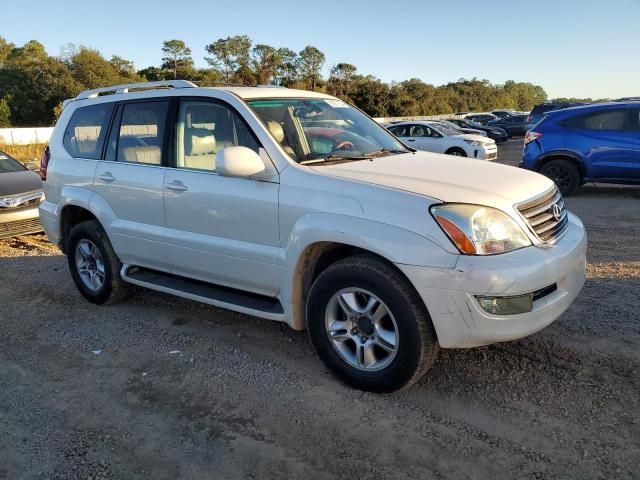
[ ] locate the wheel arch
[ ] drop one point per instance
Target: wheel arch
(562, 155)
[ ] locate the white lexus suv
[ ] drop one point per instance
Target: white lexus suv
(295, 206)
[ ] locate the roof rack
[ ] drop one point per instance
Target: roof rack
(127, 87)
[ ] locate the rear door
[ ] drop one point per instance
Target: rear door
(220, 229)
(129, 182)
(607, 141)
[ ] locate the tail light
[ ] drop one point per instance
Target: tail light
(531, 136)
(44, 163)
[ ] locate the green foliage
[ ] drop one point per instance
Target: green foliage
(33, 84)
(5, 114)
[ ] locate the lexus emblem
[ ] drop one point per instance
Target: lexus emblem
(556, 212)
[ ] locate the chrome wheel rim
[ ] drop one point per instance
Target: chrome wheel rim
(90, 265)
(361, 329)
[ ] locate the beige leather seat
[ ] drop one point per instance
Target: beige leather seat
(200, 149)
(150, 154)
(278, 133)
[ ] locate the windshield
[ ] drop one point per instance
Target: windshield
(8, 164)
(316, 129)
(452, 126)
(444, 129)
(473, 124)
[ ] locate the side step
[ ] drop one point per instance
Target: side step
(216, 295)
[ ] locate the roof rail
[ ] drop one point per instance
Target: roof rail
(127, 87)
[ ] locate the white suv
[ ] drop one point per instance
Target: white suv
(295, 206)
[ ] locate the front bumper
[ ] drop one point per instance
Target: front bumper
(19, 221)
(489, 152)
(450, 295)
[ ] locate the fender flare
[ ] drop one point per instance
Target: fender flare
(574, 157)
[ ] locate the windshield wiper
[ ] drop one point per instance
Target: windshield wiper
(385, 151)
(336, 158)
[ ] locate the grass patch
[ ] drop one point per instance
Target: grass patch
(24, 153)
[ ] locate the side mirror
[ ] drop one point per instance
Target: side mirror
(238, 162)
(31, 166)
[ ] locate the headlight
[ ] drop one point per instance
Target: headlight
(478, 230)
(473, 143)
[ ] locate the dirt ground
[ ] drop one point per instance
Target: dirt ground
(161, 388)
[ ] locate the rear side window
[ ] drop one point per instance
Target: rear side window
(86, 131)
(141, 132)
(611, 120)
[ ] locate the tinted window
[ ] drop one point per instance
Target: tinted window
(8, 164)
(603, 120)
(205, 128)
(398, 131)
(141, 132)
(419, 131)
(87, 128)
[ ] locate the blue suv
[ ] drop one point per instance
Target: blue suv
(597, 142)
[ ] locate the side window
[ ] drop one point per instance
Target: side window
(419, 131)
(87, 128)
(205, 128)
(606, 120)
(398, 131)
(141, 132)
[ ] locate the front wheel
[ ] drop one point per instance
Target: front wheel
(369, 326)
(458, 152)
(94, 266)
(564, 174)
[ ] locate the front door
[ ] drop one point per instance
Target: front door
(221, 230)
(130, 183)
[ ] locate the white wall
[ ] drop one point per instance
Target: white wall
(24, 136)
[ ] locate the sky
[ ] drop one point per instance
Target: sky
(588, 48)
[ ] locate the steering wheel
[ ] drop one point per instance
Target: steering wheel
(345, 145)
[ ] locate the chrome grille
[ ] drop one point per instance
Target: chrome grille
(539, 215)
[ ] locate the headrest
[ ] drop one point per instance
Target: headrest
(276, 130)
(149, 154)
(199, 141)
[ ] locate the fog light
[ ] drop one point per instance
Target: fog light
(507, 305)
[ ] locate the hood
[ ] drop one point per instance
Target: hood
(446, 177)
(477, 138)
(14, 183)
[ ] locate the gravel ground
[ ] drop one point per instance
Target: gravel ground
(163, 388)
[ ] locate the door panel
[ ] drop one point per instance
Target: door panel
(131, 183)
(219, 229)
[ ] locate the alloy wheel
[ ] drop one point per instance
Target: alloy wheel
(90, 265)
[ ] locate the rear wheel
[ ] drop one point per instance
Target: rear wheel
(369, 326)
(565, 175)
(458, 152)
(94, 266)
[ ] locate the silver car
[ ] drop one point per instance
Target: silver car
(20, 196)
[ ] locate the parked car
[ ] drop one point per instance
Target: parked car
(597, 142)
(496, 134)
(516, 125)
(503, 113)
(538, 111)
(481, 118)
(461, 130)
(247, 199)
(20, 196)
(431, 136)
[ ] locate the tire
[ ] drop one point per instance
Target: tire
(83, 239)
(416, 345)
(565, 175)
(458, 152)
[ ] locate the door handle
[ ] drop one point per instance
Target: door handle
(106, 177)
(177, 185)
(411, 140)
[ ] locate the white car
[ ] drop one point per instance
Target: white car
(294, 206)
(437, 137)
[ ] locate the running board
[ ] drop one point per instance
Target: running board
(216, 295)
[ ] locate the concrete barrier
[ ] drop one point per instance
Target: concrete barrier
(25, 136)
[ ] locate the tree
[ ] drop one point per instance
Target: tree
(176, 56)
(265, 61)
(310, 62)
(5, 50)
(340, 79)
(34, 84)
(153, 74)
(90, 69)
(230, 55)
(286, 71)
(124, 67)
(5, 114)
